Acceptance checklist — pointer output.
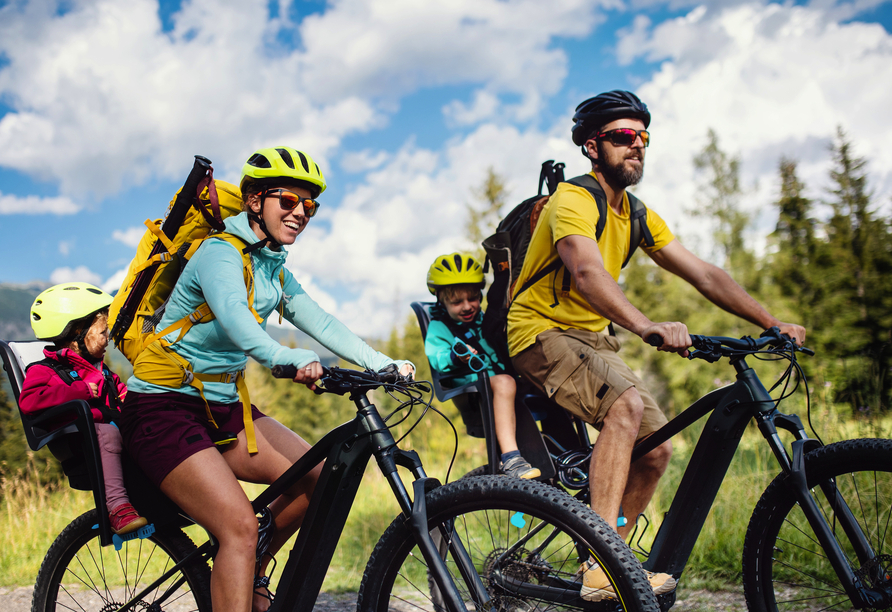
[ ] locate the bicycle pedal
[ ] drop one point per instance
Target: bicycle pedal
(142, 533)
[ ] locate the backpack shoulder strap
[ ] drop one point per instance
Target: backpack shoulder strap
(63, 371)
(591, 184)
(638, 229)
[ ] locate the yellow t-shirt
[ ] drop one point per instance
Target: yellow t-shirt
(571, 211)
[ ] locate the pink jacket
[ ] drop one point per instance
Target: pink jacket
(43, 388)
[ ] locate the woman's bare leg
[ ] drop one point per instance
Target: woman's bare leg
(205, 487)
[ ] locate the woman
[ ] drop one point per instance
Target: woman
(170, 427)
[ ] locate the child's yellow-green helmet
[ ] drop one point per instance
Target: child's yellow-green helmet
(56, 310)
(454, 269)
(271, 165)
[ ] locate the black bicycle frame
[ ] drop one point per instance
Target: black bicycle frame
(732, 407)
(346, 451)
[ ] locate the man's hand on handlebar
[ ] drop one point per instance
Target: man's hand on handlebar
(309, 374)
(796, 332)
(674, 336)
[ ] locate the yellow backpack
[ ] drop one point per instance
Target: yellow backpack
(139, 304)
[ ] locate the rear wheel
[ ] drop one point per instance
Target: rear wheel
(526, 541)
(79, 574)
(784, 566)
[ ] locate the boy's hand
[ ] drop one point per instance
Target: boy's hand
(94, 389)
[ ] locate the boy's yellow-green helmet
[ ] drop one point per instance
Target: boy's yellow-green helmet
(454, 269)
(271, 165)
(56, 310)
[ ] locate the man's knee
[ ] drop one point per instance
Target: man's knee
(626, 412)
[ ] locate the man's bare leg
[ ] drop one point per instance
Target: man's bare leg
(612, 454)
(644, 475)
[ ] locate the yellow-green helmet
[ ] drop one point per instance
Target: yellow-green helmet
(454, 269)
(56, 310)
(273, 164)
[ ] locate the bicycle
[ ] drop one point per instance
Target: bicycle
(484, 543)
(817, 537)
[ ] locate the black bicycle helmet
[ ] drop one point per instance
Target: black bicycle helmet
(604, 108)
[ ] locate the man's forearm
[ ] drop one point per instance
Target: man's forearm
(724, 292)
(607, 299)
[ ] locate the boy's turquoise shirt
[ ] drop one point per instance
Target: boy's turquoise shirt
(215, 275)
(438, 348)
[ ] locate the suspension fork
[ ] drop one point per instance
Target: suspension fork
(794, 465)
(414, 509)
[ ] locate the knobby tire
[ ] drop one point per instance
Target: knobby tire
(784, 566)
(489, 515)
(79, 574)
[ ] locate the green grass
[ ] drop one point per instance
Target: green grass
(32, 513)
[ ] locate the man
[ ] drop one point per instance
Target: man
(557, 335)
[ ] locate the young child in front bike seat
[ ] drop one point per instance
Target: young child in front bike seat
(74, 317)
(455, 346)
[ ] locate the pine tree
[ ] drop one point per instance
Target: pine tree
(857, 304)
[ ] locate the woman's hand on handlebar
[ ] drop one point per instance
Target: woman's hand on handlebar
(407, 371)
(309, 374)
(672, 337)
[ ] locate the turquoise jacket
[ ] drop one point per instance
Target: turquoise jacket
(215, 275)
(438, 348)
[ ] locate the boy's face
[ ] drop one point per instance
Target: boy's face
(463, 304)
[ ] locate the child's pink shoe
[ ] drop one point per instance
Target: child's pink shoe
(125, 519)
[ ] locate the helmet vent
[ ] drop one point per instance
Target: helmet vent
(457, 259)
(303, 161)
(259, 161)
(446, 265)
(70, 288)
(286, 157)
(96, 291)
(35, 316)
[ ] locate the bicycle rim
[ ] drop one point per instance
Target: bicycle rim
(794, 572)
(79, 574)
(527, 550)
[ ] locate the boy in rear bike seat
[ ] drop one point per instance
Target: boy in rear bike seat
(188, 387)
(455, 346)
(561, 340)
(74, 317)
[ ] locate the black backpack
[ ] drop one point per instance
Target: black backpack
(506, 249)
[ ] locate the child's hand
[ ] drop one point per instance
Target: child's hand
(94, 389)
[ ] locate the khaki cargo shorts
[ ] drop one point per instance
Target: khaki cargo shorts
(581, 371)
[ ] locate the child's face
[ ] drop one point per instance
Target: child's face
(463, 305)
(96, 339)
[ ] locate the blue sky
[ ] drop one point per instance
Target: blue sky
(405, 105)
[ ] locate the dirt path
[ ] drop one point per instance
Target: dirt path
(18, 599)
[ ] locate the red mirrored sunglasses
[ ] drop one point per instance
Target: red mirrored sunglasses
(289, 201)
(624, 137)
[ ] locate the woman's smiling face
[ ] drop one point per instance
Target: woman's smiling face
(283, 226)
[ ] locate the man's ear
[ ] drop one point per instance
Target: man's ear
(591, 146)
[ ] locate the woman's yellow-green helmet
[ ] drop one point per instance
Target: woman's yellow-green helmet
(454, 269)
(273, 164)
(56, 310)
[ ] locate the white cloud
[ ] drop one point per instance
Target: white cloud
(35, 205)
(65, 247)
(81, 274)
(114, 282)
(772, 81)
(482, 107)
(130, 236)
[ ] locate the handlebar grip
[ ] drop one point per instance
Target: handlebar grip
(655, 340)
(284, 371)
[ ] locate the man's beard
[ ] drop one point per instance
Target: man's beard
(619, 174)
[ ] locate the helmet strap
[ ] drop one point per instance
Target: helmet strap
(258, 219)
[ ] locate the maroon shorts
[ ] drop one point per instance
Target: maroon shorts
(161, 430)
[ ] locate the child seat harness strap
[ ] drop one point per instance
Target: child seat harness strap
(107, 403)
(466, 335)
(161, 365)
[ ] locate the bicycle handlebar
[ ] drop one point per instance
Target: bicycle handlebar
(712, 348)
(344, 380)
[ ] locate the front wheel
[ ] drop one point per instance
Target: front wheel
(526, 541)
(79, 574)
(784, 566)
